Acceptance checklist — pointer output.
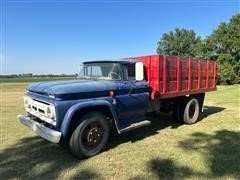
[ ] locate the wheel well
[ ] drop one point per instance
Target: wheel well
(168, 103)
(76, 119)
(200, 98)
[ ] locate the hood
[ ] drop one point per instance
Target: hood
(71, 87)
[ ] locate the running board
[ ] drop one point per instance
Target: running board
(135, 125)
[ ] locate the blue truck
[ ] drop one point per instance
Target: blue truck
(80, 112)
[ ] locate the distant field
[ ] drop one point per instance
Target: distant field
(209, 149)
(32, 79)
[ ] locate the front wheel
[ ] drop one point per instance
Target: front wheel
(90, 136)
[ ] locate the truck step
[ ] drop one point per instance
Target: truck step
(135, 125)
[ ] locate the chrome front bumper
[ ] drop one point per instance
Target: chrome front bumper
(43, 131)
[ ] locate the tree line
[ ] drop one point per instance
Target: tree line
(28, 75)
(222, 45)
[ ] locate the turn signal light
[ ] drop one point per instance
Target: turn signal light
(111, 93)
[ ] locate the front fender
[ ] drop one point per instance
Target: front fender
(66, 123)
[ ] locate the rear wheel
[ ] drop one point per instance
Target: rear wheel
(90, 136)
(191, 111)
(186, 110)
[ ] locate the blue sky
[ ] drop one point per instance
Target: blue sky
(44, 37)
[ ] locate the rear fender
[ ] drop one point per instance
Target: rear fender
(67, 121)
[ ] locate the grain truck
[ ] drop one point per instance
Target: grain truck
(116, 95)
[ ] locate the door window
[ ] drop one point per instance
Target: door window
(130, 72)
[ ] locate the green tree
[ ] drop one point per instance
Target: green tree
(204, 49)
(226, 58)
(227, 69)
(226, 74)
(182, 42)
(226, 42)
(222, 45)
(226, 37)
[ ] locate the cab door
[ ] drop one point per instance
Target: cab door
(133, 97)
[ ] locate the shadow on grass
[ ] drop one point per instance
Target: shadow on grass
(209, 110)
(34, 157)
(221, 152)
(167, 169)
(159, 121)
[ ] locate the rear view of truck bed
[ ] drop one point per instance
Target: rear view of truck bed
(172, 76)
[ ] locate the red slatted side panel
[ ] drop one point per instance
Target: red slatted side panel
(203, 74)
(162, 74)
(184, 74)
(211, 74)
(194, 75)
(154, 75)
(171, 76)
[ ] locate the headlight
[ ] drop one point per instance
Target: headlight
(27, 102)
(51, 112)
(48, 112)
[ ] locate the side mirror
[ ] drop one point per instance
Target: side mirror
(139, 71)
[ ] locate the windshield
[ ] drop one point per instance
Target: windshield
(103, 71)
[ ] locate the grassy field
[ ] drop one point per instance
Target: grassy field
(163, 150)
(32, 79)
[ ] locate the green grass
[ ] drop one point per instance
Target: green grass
(163, 150)
(32, 79)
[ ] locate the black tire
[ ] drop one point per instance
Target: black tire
(177, 110)
(190, 110)
(186, 110)
(90, 136)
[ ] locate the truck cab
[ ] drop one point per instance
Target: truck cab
(79, 112)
